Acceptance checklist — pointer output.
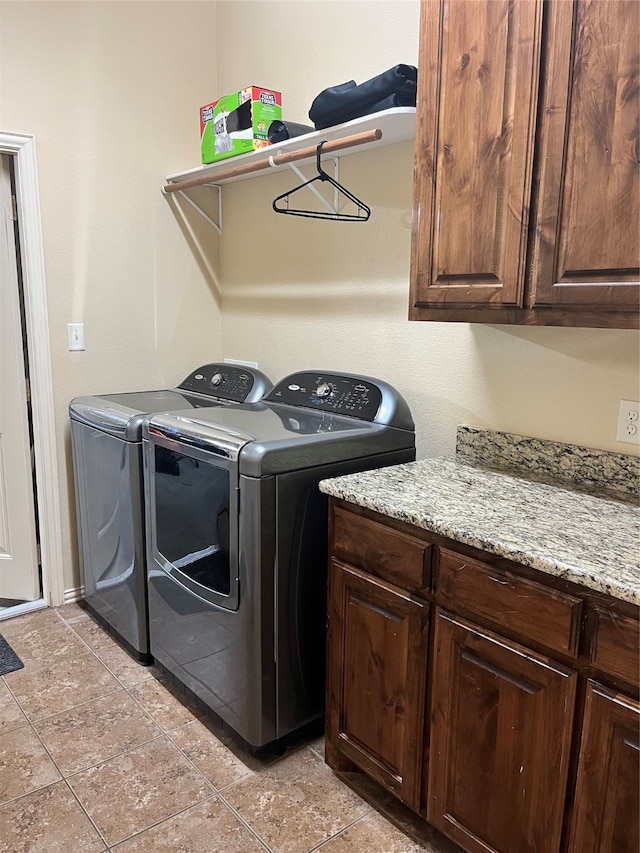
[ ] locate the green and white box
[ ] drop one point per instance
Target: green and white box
(237, 123)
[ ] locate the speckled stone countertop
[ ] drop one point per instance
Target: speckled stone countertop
(559, 529)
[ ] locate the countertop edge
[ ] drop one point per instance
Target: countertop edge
(527, 553)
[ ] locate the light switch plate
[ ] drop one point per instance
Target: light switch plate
(75, 334)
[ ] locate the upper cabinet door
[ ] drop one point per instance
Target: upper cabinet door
(587, 238)
(478, 83)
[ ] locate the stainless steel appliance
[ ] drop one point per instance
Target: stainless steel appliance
(106, 437)
(237, 539)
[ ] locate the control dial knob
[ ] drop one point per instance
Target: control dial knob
(216, 379)
(323, 390)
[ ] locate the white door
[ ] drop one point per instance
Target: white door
(19, 575)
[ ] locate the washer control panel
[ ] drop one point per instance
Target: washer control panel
(226, 382)
(329, 392)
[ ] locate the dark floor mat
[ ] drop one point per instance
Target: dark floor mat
(9, 660)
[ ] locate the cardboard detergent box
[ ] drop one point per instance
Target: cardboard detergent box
(237, 123)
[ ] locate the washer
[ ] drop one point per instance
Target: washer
(237, 541)
(106, 437)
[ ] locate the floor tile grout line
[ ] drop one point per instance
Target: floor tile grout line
(38, 787)
(65, 777)
(90, 651)
(61, 710)
(214, 795)
(32, 724)
(245, 823)
(79, 705)
(82, 652)
(121, 682)
(194, 765)
(95, 649)
(268, 764)
(158, 678)
(149, 714)
(220, 792)
(212, 792)
(115, 645)
(44, 746)
(15, 699)
(242, 778)
(8, 686)
(337, 834)
(82, 613)
(211, 796)
(73, 773)
(12, 800)
(237, 781)
(101, 836)
(303, 746)
(161, 733)
(122, 752)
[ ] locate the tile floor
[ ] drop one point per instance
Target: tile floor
(97, 753)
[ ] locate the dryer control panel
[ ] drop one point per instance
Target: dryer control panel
(356, 396)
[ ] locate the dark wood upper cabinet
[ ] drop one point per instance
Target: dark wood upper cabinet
(478, 72)
(585, 247)
(527, 189)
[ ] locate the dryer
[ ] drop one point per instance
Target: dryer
(237, 541)
(106, 438)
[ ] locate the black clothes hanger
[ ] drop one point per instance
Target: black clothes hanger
(362, 214)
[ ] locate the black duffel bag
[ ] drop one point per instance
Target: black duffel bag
(393, 88)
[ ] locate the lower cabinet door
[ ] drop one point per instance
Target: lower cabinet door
(500, 739)
(606, 815)
(377, 663)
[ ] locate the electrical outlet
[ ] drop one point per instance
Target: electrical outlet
(629, 422)
(75, 336)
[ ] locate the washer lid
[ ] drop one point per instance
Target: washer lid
(122, 414)
(209, 385)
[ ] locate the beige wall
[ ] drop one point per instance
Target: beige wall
(335, 295)
(111, 91)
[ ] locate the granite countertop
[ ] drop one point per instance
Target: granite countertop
(564, 529)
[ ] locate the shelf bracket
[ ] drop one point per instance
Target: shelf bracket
(217, 225)
(336, 196)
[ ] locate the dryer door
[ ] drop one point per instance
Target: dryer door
(192, 517)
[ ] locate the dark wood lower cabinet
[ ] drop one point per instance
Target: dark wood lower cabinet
(606, 816)
(496, 701)
(376, 678)
(500, 740)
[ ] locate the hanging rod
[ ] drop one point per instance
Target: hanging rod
(276, 160)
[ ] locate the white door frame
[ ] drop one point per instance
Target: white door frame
(23, 149)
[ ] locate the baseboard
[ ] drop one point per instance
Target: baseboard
(71, 595)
